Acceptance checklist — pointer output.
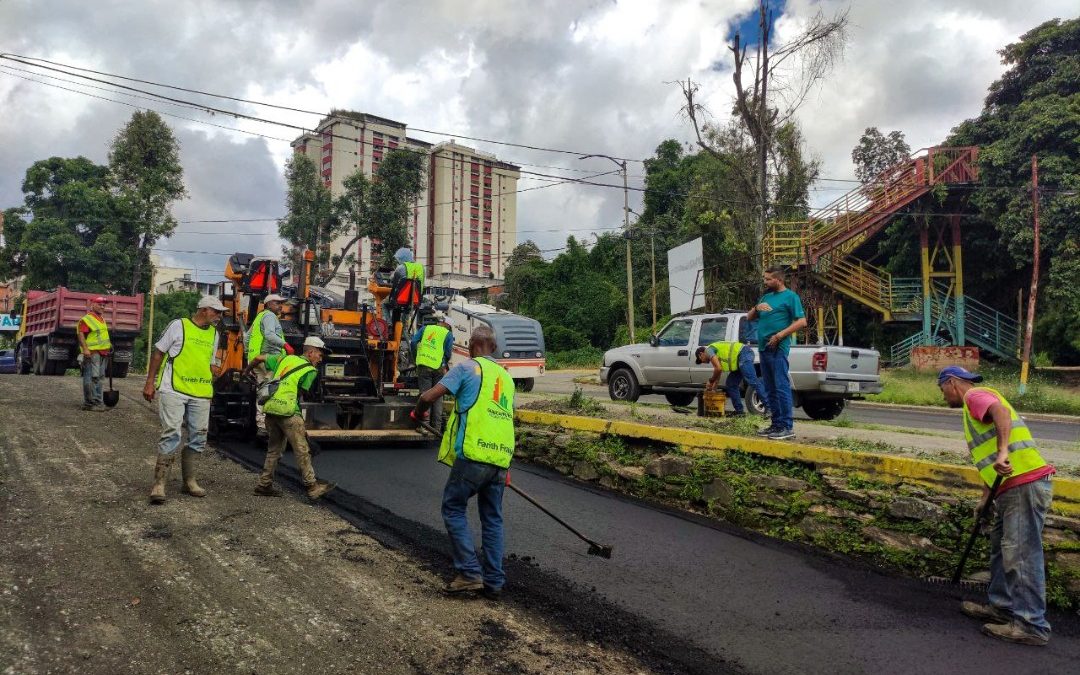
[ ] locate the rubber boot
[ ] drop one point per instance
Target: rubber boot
(161, 473)
(187, 468)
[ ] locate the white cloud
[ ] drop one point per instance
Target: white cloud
(589, 75)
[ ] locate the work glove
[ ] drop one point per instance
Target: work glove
(417, 419)
(289, 349)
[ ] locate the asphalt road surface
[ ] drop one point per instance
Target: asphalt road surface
(759, 605)
(938, 419)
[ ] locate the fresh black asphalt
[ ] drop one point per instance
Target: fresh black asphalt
(717, 598)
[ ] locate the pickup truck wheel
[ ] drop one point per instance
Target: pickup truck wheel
(823, 409)
(623, 386)
(680, 398)
(525, 384)
(755, 403)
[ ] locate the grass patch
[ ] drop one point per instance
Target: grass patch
(585, 357)
(1044, 393)
(843, 423)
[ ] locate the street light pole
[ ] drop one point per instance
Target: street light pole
(626, 224)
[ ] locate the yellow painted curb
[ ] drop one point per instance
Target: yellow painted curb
(887, 468)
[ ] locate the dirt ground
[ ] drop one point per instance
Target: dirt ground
(95, 580)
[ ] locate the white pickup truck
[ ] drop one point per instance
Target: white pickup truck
(822, 376)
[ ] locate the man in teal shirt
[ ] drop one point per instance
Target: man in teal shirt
(779, 314)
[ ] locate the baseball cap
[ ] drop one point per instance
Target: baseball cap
(959, 373)
(273, 297)
(439, 316)
(210, 302)
(317, 343)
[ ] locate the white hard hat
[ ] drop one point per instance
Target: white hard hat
(273, 297)
(438, 316)
(210, 302)
(316, 343)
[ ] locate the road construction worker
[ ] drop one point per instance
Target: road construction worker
(478, 445)
(1001, 445)
(94, 345)
(738, 361)
(265, 337)
(779, 314)
(284, 421)
(181, 377)
(407, 269)
(432, 349)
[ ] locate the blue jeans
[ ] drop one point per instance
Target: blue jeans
(93, 370)
(774, 371)
(486, 481)
(1017, 575)
(174, 409)
(735, 378)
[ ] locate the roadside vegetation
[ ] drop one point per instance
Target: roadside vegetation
(1045, 393)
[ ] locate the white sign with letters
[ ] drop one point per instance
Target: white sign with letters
(684, 265)
(8, 322)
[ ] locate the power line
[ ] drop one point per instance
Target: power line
(16, 57)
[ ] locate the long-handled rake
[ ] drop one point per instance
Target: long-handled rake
(595, 548)
(979, 518)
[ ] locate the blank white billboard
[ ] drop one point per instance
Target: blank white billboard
(684, 266)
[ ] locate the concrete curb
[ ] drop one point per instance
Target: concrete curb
(935, 410)
(888, 468)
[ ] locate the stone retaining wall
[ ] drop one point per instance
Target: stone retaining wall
(910, 528)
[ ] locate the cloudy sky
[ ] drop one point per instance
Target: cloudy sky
(589, 76)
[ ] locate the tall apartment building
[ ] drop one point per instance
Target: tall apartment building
(462, 229)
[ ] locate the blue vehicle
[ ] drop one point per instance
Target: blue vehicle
(7, 361)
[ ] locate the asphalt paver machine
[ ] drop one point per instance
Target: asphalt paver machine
(359, 396)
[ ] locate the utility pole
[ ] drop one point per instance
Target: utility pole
(652, 256)
(1029, 326)
(621, 163)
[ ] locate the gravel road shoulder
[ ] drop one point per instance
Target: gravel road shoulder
(94, 580)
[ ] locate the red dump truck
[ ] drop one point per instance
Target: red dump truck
(47, 344)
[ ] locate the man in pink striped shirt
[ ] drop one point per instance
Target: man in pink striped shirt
(1001, 445)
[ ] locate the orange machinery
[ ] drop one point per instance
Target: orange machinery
(358, 394)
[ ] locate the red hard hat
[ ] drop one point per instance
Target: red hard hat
(99, 300)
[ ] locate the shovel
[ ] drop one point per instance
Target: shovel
(112, 397)
(597, 549)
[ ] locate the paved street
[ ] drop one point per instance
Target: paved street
(764, 606)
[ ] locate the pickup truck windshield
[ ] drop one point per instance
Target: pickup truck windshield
(675, 334)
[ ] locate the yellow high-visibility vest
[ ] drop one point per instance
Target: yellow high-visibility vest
(191, 373)
(97, 340)
(982, 443)
(728, 353)
(429, 352)
(489, 425)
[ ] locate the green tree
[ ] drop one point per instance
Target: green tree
(1033, 109)
(309, 222)
(877, 152)
(71, 237)
(145, 164)
(379, 208)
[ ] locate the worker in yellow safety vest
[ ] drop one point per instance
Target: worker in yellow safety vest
(738, 360)
(1001, 445)
(181, 378)
(94, 346)
(267, 338)
(284, 421)
(478, 445)
(432, 348)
